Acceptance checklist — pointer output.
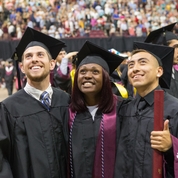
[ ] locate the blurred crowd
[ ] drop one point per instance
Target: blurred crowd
(68, 19)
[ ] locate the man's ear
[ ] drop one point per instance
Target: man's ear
(52, 64)
(160, 71)
(21, 67)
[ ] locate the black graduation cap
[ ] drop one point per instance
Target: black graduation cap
(33, 37)
(162, 35)
(91, 53)
(163, 53)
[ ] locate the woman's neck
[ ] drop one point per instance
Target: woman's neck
(91, 101)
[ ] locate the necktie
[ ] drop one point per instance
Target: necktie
(141, 105)
(45, 99)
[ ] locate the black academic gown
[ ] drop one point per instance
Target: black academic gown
(61, 81)
(174, 84)
(84, 140)
(134, 152)
(115, 77)
(5, 170)
(37, 139)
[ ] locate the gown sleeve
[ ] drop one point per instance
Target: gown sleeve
(175, 152)
(5, 169)
(171, 156)
(62, 81)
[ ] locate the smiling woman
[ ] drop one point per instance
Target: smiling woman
(90, 81)
(93, 119)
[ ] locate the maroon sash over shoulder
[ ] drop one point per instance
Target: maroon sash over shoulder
(109, 147)
(106, 145)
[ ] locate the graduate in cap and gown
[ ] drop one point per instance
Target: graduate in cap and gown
(165, 36)
(9, 76)
(34, 120)
(93, 120)
(117, 82)
(149, 69)
(62, 70)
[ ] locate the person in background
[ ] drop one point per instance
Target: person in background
(34, 119)
(119, 79)
(126, 83)
(61, 73)
(94, 123)
(165, 36)
(1, 73)
(9, 76)
(149, 69)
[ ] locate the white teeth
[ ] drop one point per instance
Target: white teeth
(36, 67)
(87, 84)
(136, 76)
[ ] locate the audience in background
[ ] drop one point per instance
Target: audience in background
(68, 19)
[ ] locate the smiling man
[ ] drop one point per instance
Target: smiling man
(36, 64)
(34, 119)
(141, 71)
(148, 70)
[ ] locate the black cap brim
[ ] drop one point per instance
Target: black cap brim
(53, 45)
(162, 35)
(166, 54)
(90, 49)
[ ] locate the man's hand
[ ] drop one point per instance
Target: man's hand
(161, 140)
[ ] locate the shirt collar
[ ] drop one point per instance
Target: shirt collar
(149, 98)
(36, 93)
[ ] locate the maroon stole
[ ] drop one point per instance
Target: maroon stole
(104, 167)
(109, 146)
